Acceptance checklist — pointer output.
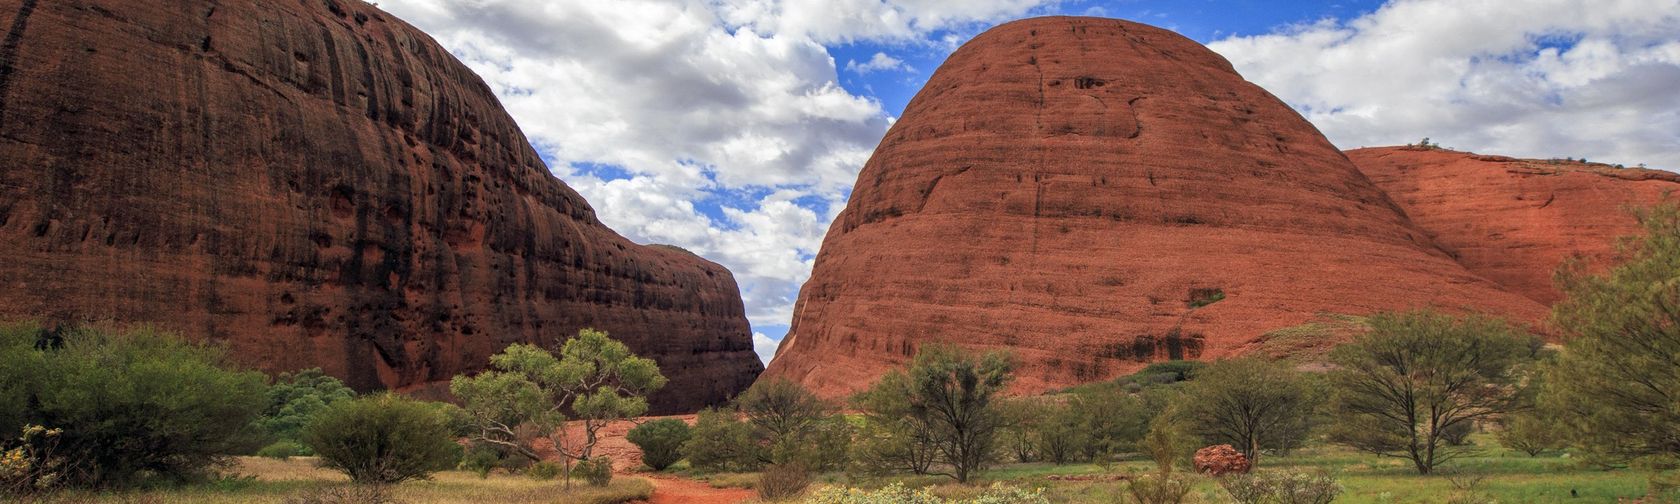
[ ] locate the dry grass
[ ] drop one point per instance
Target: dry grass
(297, 479)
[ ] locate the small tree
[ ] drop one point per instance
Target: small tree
(1251, 404)
(661, 441)
(295, 398)
(890, 439)
(1060, 436)
(529, 393)
(794, 424)
(382, 439)
(953, 392)
(1614, 384)
(719, 442)
(1400, 388)
(1529, 432)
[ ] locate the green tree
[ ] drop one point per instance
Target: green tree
(529, 393)
(720, 442)
(131, 403)
(382, 439)
(1400, 388)
(295, 398)
(890, 439)
(954, 394)
(661, 441)
(1251, 403)
(1061, 435)
(794, 424)
(1614, 384)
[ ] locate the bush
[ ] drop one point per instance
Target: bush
(544, 471)
(1159, 488)
(896, 493)
(131, 403)
(597, 471)
(382, 439)
(352, 494)
(719, 442)
(30, 463)
(1281, 488)
(661, 441)
(295, 399)
(283, 450)
(481, 460)
(783, 481)
(1252, 404)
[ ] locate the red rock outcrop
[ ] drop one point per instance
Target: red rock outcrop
(316, 183)
(1095, 194)
(1514, 221)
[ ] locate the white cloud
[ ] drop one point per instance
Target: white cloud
(878, 63)
(765, 347)
(1538, 78)
(733, 104)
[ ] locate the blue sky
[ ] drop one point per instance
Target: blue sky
(735, 128)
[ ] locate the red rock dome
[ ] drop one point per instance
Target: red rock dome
(316, 183)
(1095, 194)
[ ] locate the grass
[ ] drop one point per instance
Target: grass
(264, 480)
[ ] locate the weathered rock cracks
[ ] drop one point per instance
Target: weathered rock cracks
(316, 183)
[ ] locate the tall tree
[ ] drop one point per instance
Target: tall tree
(1252, 403)
(1402, 387)
(1616, 385)
(529, 394)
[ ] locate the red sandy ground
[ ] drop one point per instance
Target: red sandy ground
(667, 489)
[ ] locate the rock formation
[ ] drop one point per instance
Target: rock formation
(316, 183)
(1094, 194)
(1513, 221)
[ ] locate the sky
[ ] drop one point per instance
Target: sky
(735, 128)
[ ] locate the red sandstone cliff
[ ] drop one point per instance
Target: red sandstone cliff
(1513, 221)
(1068, 188)
(316, 183)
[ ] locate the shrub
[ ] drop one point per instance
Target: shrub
(596, 471)
(131, 403)
(661, 441)
(719, 442)
(294, 399)
(382, 439)
(794, 425)
(30, 463)
(951, 392)
(1281, 488)
(896, 493)
(282, 450)
(480, 460)
(351, 494)
(781, 482)
(1159, 488)
(544, 471)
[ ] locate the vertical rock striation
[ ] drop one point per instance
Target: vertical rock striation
(316, 183)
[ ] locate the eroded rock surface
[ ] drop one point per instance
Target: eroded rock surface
(316, 183)
(1514, 221)
(1094, 194)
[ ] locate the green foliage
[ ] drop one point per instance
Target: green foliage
(896, 493)
(283, 450)
(31, 464)
(950, 393)
(544, 471)
(1401, 388)
(382, 439)
(1252, 404)
(719, 442)
(1530, 432)
(597, 471)
(661, 441)
(131, 404)
(1204, 297)
(890, 439)
(294, 399)
(780, 482)
(1278, 487)
(1167, 441)
(529, 393)
(794, 425)
(1061, 435)
(1613, 385)
(481, 460)
(1159, 488)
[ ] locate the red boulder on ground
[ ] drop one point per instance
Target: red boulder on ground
(1218, 460)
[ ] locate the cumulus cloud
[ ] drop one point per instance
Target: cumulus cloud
(879, 63)
(765, 347)
(717, 126)
(1546, 78)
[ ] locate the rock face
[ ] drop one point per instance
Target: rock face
(316, 183)
(1095, 194)
(1513, 221)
